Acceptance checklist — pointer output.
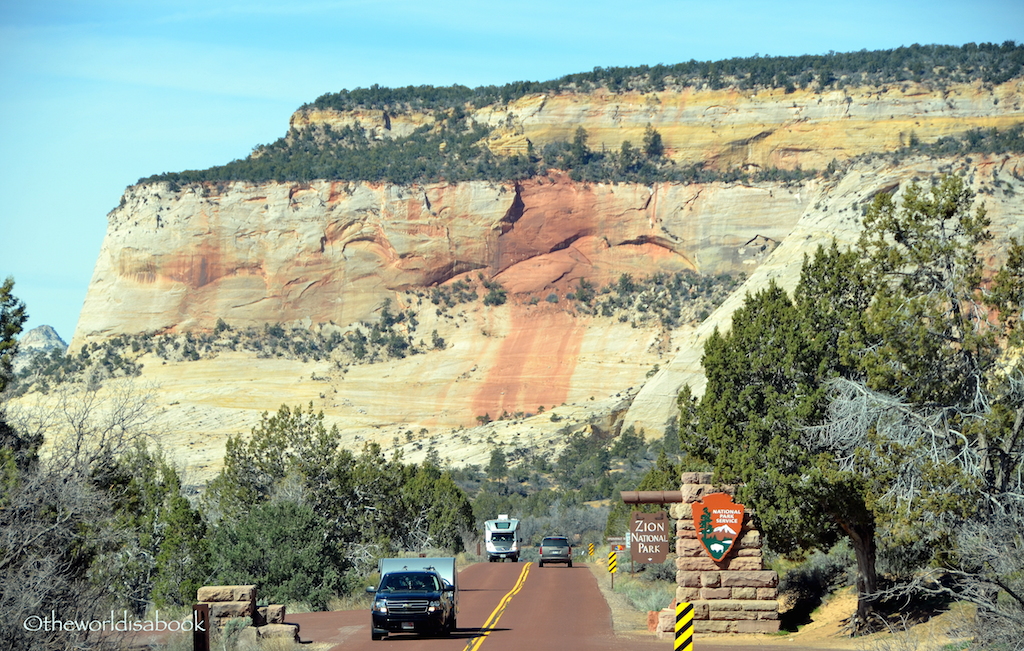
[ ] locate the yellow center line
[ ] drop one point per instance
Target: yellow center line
(492, 621)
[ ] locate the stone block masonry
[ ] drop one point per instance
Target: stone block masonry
(229, 602)
(734, 595)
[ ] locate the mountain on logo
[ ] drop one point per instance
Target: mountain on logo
(717, 520)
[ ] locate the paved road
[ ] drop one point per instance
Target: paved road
(502, 607)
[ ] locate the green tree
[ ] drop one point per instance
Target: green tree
(12, 317)
(629, 157)
(160, 552)
(923, 339)
(369, 504)
(497, 467)
(440, 511)
(654, 148)
(877, 400)
(283, 547)
(767, 381)
(579, 152)
(934, 430)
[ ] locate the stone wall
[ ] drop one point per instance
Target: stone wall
(229, 602)
(734, 595)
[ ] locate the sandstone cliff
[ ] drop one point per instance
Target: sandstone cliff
(179, 258)
(331, 252)
(728, 127)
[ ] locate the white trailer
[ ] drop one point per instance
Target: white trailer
(443, 566)
(502, 539)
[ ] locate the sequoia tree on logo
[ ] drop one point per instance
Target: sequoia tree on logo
(719, 521)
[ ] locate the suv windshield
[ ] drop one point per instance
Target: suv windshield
(412, 581)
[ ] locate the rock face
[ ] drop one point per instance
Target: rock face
(248, 254)
(834, 214)
(37, 341)
(180, 258)
(728, 127)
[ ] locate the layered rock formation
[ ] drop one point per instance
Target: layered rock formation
(728, 127)
(181, 258)
(328, 251)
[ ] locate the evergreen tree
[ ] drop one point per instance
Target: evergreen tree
(878, 400)
(12, 317)
(767, 381)
(653, 146)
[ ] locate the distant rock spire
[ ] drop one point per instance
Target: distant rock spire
(37, 341)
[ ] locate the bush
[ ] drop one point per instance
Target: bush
(283, 548)
(646, 595)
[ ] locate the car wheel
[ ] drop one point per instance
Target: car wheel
(570, 563)
(540, 563)
(374, 635)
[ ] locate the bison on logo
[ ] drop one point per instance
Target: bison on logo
(719, 521)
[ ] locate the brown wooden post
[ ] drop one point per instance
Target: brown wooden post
(201, 627)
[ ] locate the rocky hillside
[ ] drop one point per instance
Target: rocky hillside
(37, 341)
(506, 298)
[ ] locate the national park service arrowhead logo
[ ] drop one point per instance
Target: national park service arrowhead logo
(718, 521)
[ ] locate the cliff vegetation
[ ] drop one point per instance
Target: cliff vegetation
(451, 143)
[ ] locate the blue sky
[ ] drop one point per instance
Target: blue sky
(97, 94)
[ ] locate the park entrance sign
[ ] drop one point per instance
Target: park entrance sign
(718, 521)
(648, 537)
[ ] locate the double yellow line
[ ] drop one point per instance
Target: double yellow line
(492, 620)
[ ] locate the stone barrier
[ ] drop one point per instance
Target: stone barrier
(229, 602)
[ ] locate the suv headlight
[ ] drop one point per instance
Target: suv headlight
(434, 606)
(380, 606)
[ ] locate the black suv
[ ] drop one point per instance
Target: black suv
(555, 549)
(413, 602)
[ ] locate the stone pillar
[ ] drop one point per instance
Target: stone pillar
(734, 595)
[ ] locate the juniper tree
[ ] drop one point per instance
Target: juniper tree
(935, 426)
(766, 381)
(879, 399)
(12, 317)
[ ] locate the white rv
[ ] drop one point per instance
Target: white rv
(502, 539)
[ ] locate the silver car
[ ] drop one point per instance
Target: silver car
(555, 549)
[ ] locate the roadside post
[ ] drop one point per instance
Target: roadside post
(201, 627)
(613, 565)
(590, 549)
(684, 627)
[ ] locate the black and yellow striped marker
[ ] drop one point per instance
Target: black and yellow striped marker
(613, 562)
(684, 627)
(590, 548)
